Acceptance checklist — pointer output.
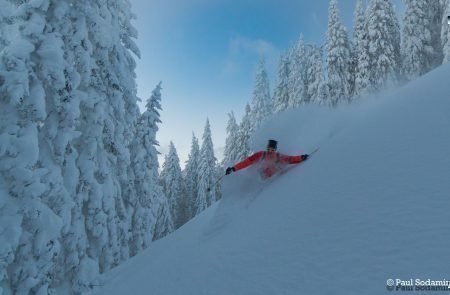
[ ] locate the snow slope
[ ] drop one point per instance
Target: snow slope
(371, 205)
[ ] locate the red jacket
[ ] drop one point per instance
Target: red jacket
(272, 162)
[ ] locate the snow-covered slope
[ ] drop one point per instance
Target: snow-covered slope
(372, 204)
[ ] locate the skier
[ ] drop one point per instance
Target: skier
(271, 161)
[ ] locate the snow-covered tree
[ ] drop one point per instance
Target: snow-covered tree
(32, 71)
(245, 133)
(173, 186)
(114, 71)
(445, 32)
(323, 97)
(281, 93)
(314, 74)
(219, 172)
(164, 223)
(109, 122)
(146, 180)
(435, 15)
(68, 117)
(99, 185)
(191, 172)
(383, 41)
(417, 52)
(70, 22)
(207, 176)
(338, 57)
(148, 190)
(5, 21)
(231, 153)
(261, 103)
(297, 72)
(360, 52)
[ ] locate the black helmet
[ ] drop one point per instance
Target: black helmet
(272, 144)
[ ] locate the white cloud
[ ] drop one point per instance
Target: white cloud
(244, 51)
(260, 47)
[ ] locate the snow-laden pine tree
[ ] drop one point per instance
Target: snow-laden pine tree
(435, 14)
(338, 57)
(34, 78)
(109, 110)
(98, 187)
(231, 152)
(245, 133)
(70, 20)
(314, 75)
(149, 194)
(297, 72)
(281, 93)
(68, 75)
(122, 86)
(10, 216)
(323, 97)
(207, 173)
(6, 14)
(360, 52)
(173, 186)
(417, 52)
(383, 41)
(219, 172)
(107, 124)
(148, 189)
(191, 172)
(445, 32)
(262, 102)
(164, 223)
(115, 68)
(81, 269)
(60, 72)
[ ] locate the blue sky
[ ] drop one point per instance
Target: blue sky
(205, 52)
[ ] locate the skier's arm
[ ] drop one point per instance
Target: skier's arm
(247, 162)
(292, 159)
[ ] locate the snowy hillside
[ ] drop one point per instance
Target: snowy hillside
(371, 205)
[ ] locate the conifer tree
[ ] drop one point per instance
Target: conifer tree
(191, 176)
(164, 223)
(383, 41)
(5, 22)
(323, 97)
(206, 177)
(360, 54)
(261, 102)
(417, 52)
(81, 268)
(435, 14)
(68, 117)
(314, 74)
(281, 94)
(25, 190)
(231, 153)
(245, 134)
(173, 186)
(146, 180)
(338, 57)
(445, 33)
(297, 73)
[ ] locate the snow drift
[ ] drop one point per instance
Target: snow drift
(371, 205)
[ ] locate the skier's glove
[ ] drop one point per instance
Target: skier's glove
(229, 170)
(305, 157)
